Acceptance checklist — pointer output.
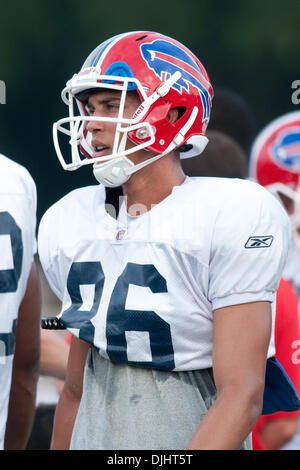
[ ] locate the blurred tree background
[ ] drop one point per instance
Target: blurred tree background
(251, 47)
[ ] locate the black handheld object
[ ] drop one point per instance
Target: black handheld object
(52, 323)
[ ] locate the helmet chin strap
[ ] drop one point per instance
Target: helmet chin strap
(118, 170)
(113, 173)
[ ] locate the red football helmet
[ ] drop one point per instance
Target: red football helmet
(166, 75)
(275, 163)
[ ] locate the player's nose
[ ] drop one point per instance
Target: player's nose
(94, 126)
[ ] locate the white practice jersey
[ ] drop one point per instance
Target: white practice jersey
(143, 290)
(17, 248)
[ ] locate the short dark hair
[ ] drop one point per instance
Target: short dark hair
(232, 115)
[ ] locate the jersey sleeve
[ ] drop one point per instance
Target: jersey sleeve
(18, 197)
(249, 247)
(32, 193)
(48, 251)
(59, 233)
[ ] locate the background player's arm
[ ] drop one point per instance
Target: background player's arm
(25, 367)
(69, 400)
(278, 432)
(240, 345)
(54, 354)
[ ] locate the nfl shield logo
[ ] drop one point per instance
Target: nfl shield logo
(121, 234)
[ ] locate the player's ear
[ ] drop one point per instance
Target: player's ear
(173, 115)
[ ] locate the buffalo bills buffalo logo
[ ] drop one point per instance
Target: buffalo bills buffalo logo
(286, 149)
(165, 58)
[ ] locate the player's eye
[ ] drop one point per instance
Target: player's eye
(112, 106)
(89, 110)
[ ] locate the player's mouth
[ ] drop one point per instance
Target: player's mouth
(100, 150)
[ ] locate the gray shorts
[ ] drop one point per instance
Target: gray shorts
(130, 408)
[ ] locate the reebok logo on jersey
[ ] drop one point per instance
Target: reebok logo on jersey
(259, 241)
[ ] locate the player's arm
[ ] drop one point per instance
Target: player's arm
(240, 344)
(278, 429)
(25, 367)
(69, 400)
(279, 432)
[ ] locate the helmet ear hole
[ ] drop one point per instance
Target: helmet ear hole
(181, 111)
(175, 114)
(172, 115)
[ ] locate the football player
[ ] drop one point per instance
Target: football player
(167, 282)
(20, 304)
(275, 164)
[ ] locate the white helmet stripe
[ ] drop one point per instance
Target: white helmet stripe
(101, 56)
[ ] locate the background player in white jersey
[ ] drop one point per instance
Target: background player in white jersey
(170, 302)
(19, 304)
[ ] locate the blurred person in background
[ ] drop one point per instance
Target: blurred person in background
(53, 367)
(275, 164)
(274, 431)
(222, 157)
(20, 305)
(232, 115)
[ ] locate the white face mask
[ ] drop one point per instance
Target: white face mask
(117, 168)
